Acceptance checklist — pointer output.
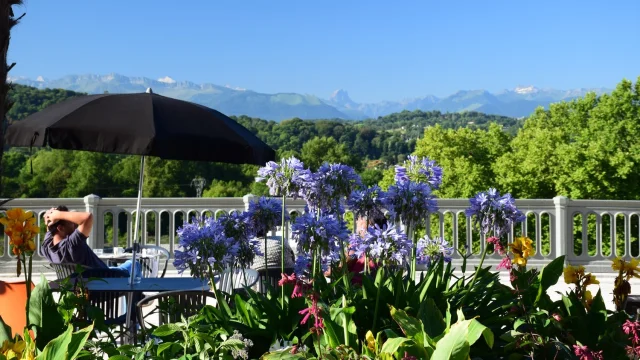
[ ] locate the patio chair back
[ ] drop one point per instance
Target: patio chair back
(65, 270)
(147, 263)
(171, 306)
(231, 280)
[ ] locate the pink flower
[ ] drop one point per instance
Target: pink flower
(504, 264)
(299, 290)
(585, 354)
(497, 245)
(287, 279)
(632, 329)
(557, 317)
(315, 311)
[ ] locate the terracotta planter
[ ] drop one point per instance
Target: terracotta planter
(13, 303)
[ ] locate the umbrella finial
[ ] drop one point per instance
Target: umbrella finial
(149, 91)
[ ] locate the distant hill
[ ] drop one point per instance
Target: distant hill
(518, 102)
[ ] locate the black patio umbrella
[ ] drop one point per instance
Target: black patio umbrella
(144, 124)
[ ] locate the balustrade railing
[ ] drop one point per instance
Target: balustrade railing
(588, 232)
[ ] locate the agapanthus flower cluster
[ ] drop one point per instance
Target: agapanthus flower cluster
(410, 201)
(366, 203)
(204, 247)
(283, 179)
(494, 214)
(237, 226)
(387, 245)
(429, 251)
(324, 189)
(420, 170)
(323, 233)
(264, 215)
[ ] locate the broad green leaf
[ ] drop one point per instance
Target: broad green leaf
(549, 276)
(166, 330)
(331, 331)
(391, 345)
(43, 313)
(411, 327)
(163, 346)
(57, 348)
(454, 345)
(78, 339)
(476, 329)
(432, 320)
(119, 357)
(5, 331)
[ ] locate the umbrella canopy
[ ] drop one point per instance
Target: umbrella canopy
(140, 124)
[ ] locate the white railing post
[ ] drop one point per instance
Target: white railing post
(562, 226)
(96, 239)
(247, 199)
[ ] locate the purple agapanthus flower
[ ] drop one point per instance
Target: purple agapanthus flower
(264, 215)
(409, 201)
(387, 245)
(283, 179)
(494, 214)
(322, 233)
(324, 189)
(423, 170)
(430, 251)
(204, 246)
(237, 226)
(366, 203)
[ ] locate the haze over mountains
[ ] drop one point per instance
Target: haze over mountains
(518, 102)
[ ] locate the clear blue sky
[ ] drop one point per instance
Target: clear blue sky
(377, 50)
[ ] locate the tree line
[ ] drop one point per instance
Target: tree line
(585, 148)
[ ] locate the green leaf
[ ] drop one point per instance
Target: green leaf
(476, 329)
(549, 276)
(432, 320)
(331, 331)
(119, 357)
(162, 347)
(57, 348)
(166, 329)
(43, 313)
(5, 331)
(411, 327)
(78, 339)
(454, 345)
(391, 345)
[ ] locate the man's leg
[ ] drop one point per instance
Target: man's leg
(127, 265)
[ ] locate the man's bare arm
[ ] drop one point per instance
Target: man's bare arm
(84, 220)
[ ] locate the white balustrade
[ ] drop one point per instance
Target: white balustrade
(552, 219)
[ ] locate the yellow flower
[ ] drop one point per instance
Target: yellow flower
(13, 350)
(572, 273)
(18, 215)
(588, 299)
(522, 250)
(630, 268)
(590, 279)
(371, 342)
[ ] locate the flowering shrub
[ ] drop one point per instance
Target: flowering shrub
(283, 179)
(386, 245)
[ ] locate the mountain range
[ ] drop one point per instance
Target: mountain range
(518, 102)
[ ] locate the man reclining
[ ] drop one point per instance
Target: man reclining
(66, 240)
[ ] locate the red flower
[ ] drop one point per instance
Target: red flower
(315, 311)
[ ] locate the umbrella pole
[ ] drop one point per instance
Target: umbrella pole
(137, 222)
(130, 304)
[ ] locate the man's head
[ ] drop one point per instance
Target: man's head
(63, 228)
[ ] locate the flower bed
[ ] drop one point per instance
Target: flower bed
(357, 295)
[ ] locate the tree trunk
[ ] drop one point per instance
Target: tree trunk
(7, 21)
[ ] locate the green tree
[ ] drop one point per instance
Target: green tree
(221, 188)
(465, 155)
(318, 150)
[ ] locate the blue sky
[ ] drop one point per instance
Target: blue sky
(377, 50)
